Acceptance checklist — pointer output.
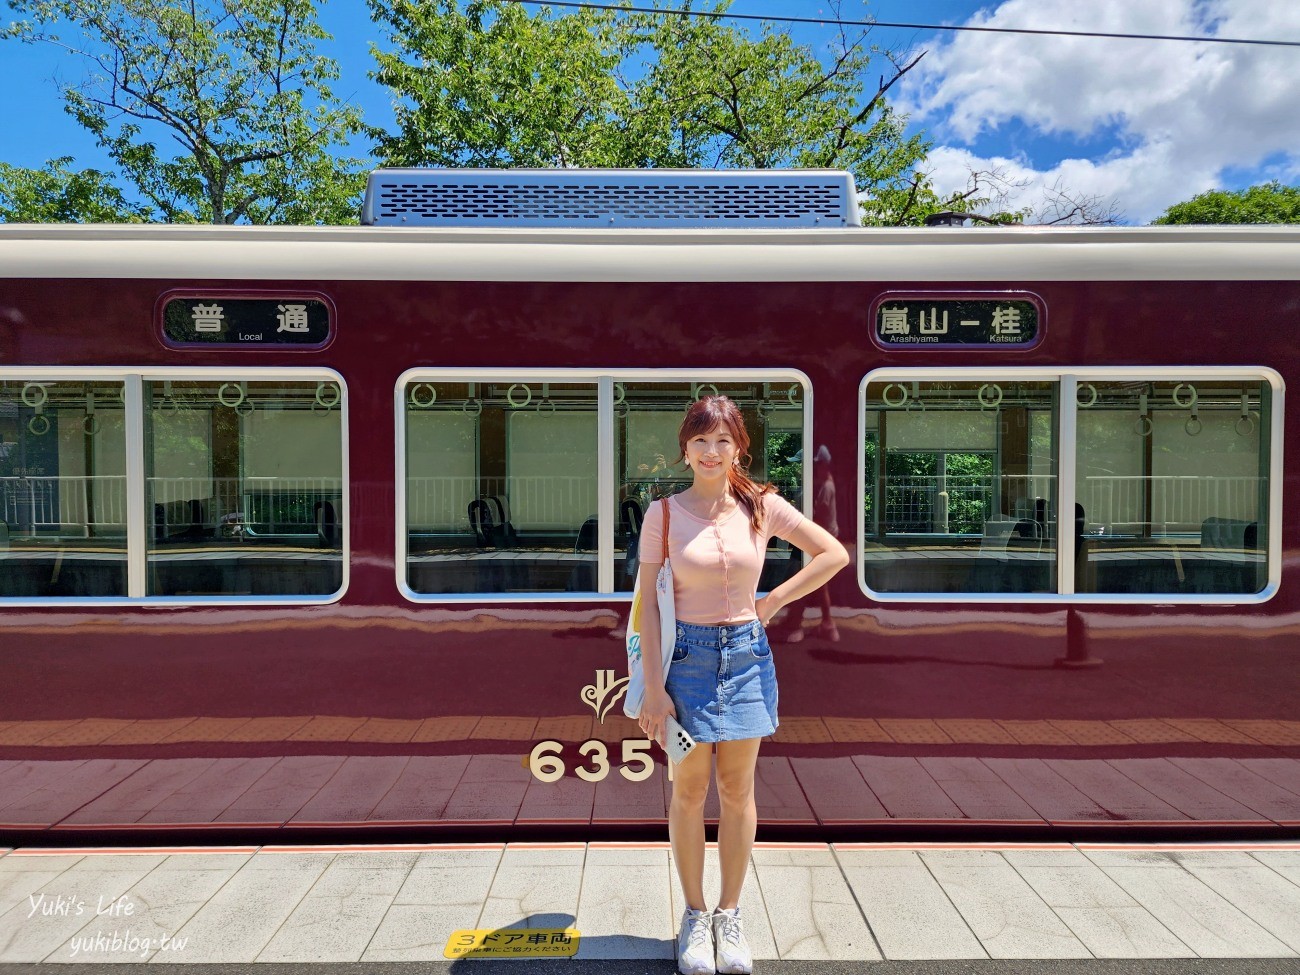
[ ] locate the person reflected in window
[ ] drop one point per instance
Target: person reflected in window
(790, 629)
(722, 683)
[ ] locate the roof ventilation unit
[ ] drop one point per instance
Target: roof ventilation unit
(618, 198)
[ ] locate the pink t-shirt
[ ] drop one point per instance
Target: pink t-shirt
(716, 564)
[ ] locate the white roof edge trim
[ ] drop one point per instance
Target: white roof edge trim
(383, 254)
(862, 236)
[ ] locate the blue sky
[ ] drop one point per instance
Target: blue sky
(1142, 123)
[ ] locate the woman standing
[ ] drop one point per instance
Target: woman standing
(722, 683)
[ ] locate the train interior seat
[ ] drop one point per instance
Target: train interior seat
(630, 517)
(996, 535)
(583, 576)
(327, 525)
(185, 520)
(501, 508)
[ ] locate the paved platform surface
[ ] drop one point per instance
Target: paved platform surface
(808, 907)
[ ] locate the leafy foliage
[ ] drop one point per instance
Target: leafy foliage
(57, 194)
(911, 487)
(1266, 203)
(215, 111)
(488, 83)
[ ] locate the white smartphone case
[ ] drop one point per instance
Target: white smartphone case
(677, 743)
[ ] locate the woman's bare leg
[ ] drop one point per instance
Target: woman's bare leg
(686, 822)
(739, 819)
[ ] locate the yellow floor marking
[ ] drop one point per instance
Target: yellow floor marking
(451, 727)
(1092, 732)
(802, 731)
(208, 729)
(389, 730)
(1269, 732)
(972, 731)
(575, 727)
(856, 729)
(504, 729)
(92, 731)
(513, 943)
(1210, 730)
(32, 732)
(148, 731)
(914, 731)
(270, 728)
(66, 733)
(1150, 731)
(327, 728)
(1036, 733)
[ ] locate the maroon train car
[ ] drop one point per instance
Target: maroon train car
(312, 531)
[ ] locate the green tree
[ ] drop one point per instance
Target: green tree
(214, 111)
(57, 194)
(491, 83)
(1266, 203)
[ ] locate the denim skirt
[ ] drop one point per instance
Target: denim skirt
(723, 682)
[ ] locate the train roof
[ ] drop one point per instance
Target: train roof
(151, 251)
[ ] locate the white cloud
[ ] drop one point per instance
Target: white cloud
(1182, 112)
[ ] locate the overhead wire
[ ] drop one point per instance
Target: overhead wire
(838, 22)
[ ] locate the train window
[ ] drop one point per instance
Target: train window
(1172, 486)
(243, 488)
(63, 511)
(647, 415)
(519, 486)
(1170, 477)
(960, 487)
(501, 487)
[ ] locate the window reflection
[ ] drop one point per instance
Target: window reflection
(501, 487)
(244, 488)
(1172, 487)
(647, 416)
(960, 487)
(62, 489)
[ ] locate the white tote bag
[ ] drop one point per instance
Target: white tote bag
(635, 696)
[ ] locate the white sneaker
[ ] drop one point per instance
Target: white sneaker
(733, 957)
(695, 944)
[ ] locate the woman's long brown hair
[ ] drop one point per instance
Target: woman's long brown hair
(707, 414)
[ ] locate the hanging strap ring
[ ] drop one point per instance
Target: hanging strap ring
(1191, 396)
(230, 395)
(419, 401)
(519, 404)
(902, 394)
(35, 394)
(322, 397)
(989, 395)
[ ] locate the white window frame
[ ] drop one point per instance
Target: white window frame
(138, 517)
(607, 510)
(1069, 378)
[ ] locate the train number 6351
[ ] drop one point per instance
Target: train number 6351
(547, 765)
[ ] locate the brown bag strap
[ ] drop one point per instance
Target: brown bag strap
(667, 521)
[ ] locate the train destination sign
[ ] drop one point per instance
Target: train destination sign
(921, 321)
(252, 322)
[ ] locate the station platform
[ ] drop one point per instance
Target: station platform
(565, 906)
